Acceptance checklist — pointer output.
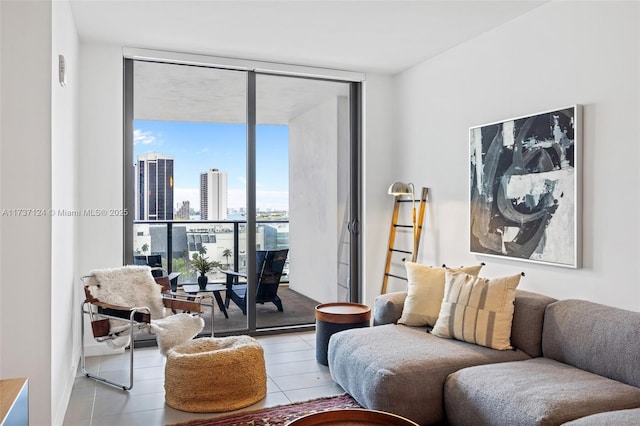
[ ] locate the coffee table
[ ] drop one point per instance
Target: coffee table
(211, 288)
(352, 417)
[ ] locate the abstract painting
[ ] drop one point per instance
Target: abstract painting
(525, 184)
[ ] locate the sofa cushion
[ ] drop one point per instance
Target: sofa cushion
(387, 308)
(425, 290)
(526, 329)
(594, 337)
(538, 391)
(477, 310)
(629, 417)
(402, 369)
(528, 317)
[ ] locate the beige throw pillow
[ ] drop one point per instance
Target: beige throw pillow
(425, 292)
(477, 310)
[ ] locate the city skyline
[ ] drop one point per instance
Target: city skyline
(198, 147)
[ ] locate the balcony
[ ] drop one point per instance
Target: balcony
(225, 242)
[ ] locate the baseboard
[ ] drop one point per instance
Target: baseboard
(61, 410)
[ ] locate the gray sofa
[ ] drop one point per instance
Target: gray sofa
(571, 360)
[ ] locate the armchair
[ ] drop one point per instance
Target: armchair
(269, 271)
(122, 301)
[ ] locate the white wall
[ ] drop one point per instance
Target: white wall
(559, 54)
(313, 198)
(100, 239)
(379, 143)
(25, 183)
(66, 294)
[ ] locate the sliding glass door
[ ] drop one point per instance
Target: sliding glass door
(230, 164)
(315, 116)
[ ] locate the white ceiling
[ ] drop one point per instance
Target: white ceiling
(383, 36)
(169, 92)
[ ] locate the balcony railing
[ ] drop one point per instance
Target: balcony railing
(225, 242)
(221, 241)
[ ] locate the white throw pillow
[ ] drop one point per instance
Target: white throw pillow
(425, 291)
(477, 310)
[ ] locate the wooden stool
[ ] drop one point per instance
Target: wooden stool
(334, 317)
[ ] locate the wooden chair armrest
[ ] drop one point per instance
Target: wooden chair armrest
(140, 314)
(183, 302)
(234, 273)
(104, 305)
(232, 278)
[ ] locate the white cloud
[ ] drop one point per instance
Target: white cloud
(145, 138)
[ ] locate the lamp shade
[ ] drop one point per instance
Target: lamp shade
(400, 188)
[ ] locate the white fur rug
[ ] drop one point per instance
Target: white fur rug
(134, 286)
(175, 330)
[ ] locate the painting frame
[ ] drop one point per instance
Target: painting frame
(525, 188)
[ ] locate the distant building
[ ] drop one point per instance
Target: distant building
(183, 211)
(154, 187)
(213, 195)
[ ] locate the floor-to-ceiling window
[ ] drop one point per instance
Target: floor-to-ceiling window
(252, 161)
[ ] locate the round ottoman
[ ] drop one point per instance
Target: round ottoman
(215, 374)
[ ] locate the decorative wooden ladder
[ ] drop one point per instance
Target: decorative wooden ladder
(392, 234)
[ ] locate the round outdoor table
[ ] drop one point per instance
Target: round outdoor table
(334, 317)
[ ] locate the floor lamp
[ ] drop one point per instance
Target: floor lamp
(401, 188)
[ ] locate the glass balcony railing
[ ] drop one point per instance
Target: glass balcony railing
(223, 242)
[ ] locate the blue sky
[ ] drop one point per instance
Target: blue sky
(198, 147)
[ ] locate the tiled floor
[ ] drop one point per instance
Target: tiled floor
(292, 370)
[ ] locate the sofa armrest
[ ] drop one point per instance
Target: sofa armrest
(387, 308)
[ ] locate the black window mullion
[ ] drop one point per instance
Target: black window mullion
(251, 200)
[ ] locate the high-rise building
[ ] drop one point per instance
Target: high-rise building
(183, 211)
(154, 187)
(213, 195)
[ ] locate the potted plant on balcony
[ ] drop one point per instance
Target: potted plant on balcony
(202, 264)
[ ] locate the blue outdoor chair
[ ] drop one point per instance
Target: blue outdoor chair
(269, 271)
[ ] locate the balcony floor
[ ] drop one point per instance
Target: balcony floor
(299, 310)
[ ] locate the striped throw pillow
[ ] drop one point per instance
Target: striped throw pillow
(425, 290)
(477, 310)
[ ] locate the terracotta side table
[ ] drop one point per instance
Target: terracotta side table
(334, 317)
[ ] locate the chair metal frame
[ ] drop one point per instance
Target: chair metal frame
(139, 318)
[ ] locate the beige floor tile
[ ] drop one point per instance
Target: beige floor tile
(297, 367)
(293, 375)
(284, 357)
(298, 395)
(275, 348)
(301, 381)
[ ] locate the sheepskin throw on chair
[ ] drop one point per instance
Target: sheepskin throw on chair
(134, 286)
